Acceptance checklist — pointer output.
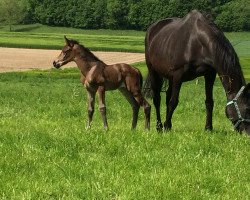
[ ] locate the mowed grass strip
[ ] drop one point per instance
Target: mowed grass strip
(45, 37)
(46, 153)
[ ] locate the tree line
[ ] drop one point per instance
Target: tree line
(229, 15)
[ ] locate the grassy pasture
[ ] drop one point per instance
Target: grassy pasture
(44, 37)
(46, 153)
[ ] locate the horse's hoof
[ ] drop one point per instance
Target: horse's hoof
(208, 128)
(167, 126)
(167, 129)
(159, 127)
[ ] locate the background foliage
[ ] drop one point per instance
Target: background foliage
(230, 15)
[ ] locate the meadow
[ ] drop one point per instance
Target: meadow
(46, 153)
(45, 37)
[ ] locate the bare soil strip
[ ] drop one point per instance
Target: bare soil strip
(17, 59)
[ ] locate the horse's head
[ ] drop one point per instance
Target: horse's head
(238, 110)
(67, 54)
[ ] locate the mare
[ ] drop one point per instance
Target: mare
(97, 77)
(181, 49)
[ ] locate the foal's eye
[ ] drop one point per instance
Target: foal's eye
(66, 51)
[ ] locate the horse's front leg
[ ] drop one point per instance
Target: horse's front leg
(91, 107)
(209, 82)
(102, 105)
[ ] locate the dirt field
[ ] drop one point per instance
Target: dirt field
(15, 59)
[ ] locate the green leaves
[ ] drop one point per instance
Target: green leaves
(12, 11)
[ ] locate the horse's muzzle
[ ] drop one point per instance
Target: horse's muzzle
(56, 64)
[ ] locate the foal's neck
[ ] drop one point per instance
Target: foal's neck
(85, 63)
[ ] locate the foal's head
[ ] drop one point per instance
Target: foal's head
(68, 53)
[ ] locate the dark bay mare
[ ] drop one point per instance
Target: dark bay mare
(97, 77)
(181, 49)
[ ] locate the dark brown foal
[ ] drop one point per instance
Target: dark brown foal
(97, 77)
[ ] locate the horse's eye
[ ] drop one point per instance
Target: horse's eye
(66, 51)
(247, 109)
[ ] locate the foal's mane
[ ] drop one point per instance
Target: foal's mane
(224, 53)
(86, 50)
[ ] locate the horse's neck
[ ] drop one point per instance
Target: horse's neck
(85, 65)
(231, 83)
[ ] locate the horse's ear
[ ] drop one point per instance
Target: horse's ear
(67, 41)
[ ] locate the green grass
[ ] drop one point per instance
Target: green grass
(46, 153)
(45, 37)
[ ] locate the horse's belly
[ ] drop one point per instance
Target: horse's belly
(162, 66)
(110, 85)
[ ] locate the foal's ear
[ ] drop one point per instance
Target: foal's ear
(67, 41)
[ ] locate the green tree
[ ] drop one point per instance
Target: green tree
(117, 14)
(12, 11)
(234, 16)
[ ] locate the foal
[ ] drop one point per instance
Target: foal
(97, 77)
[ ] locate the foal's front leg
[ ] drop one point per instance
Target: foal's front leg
(102, 106)
(91, 106)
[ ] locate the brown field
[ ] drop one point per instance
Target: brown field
(17, 59)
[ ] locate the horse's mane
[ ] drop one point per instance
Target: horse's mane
(86, 50)
(224, 53)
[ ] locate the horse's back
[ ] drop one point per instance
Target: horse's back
(121, 75)
(177, 42)
(156, 27)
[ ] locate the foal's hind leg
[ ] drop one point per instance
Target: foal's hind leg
(209, 82)
(146, 108)
(135, 106)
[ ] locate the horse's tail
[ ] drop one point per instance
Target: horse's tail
(147, 89)
(141, 79)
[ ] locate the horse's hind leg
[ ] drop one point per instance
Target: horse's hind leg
(173, 99)
(135, 106)
(209, 82)
(156, 85)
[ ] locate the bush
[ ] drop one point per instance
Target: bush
(234, 16)
(230, 15)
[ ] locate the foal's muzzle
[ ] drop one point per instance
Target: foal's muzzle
(56, 64)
